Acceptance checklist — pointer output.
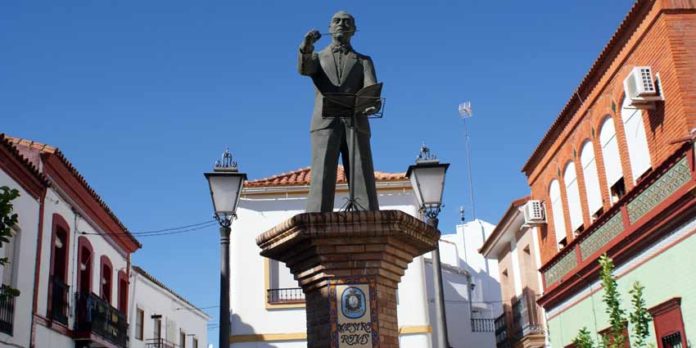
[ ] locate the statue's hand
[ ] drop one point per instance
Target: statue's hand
(310, 38)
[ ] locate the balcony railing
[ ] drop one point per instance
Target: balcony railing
(95, 315)
(482, 325)
(501, 332)
(662, 186)
(159, 343)
(7, 304)
(58, 296)
(525, 319)
(285, 296)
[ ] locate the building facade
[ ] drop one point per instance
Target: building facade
(70, 259)
(161, 318)
(268, 308)
(514, 245)
(616, 174)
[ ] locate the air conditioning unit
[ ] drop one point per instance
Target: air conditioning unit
(640, 87)
(534, 213)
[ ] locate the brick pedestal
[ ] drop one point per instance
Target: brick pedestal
(336, 255)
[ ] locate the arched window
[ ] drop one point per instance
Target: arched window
(591, 175)
(106, 279)
(85, 256)
(57, 287)
(122, 292)
(575, 211)
(612, 160)
(636, 140)
(557, 212)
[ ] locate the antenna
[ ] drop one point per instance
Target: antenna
(466, 112)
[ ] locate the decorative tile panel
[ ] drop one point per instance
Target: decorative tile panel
(560, 268)
(662, 188)
(601, 236)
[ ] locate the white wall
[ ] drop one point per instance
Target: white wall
(247, 289)
(24, 263)
(153, 299)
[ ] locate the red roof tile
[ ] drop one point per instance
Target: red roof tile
(302, 177)
(32, 150)
(612, 48)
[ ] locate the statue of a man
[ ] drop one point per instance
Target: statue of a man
(338, 69)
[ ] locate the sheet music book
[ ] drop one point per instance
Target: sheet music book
(366, 101)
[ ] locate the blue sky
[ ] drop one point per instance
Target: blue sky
(143, 96)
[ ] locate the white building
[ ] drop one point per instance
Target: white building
(161, 318)
(268, 307)
(69, 258)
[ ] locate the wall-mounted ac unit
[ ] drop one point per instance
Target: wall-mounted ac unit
(641, 88)
(534, 213)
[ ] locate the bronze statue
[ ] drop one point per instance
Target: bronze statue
(339, 70)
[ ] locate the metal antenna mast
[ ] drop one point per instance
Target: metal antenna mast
(465, 112)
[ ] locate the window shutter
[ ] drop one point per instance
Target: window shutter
(589, 171)
(573, 192)
(636, 140)
(557, 211)
(610, 150)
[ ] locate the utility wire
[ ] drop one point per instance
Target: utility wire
(162, 232)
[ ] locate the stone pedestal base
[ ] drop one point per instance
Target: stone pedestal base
(349, 265)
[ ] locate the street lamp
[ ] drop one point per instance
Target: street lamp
(428, 180)
(225, 183)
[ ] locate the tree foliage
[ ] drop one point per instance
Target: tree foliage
(639, 316)
(8, 219)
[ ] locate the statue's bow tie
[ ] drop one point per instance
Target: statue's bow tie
(342, 49)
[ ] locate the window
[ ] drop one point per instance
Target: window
(591, 175)
(105, 280)
(557, 212)
(122, 292)
(636, 140)
(85, 256)
(139, 321)
(157, 327)
(182, 339)
(573, 192)
(58, 289)
(10, 251)
(282, 286)
(607, 332)
(612, 160)
(669, 324)
(195, 343)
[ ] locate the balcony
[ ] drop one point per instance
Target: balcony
(159, 343)
(285, 296)
(501, 332)
(7, 304)
(58, 300)
(525, 317)
(634, 222)
(97, 321)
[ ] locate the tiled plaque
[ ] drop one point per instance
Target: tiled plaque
(353, 315)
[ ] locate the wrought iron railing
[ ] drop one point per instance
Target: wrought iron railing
(525, 319)
(285, 296)
(58, 296)
(159, 343)
(7, 305)
(95, 315)
(501, 332)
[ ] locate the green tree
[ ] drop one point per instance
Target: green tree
(7, 220)
(583, 339)
(639, 317)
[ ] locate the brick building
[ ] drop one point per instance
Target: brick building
(616, 174)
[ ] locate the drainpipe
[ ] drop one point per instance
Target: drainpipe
(39, 237)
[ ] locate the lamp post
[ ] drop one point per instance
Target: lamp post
(225, 183)
(428, 180)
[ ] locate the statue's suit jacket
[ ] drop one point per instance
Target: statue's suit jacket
(358, 72)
